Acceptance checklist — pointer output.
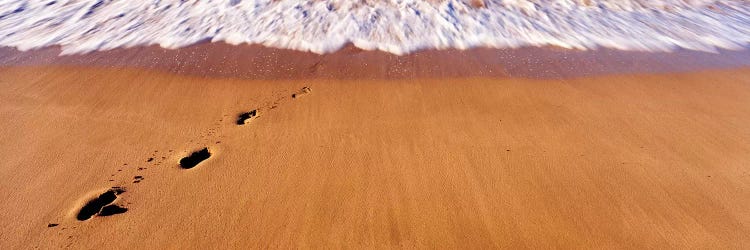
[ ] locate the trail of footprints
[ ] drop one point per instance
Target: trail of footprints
(110, 202)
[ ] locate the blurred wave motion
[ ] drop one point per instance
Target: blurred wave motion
(395, 26)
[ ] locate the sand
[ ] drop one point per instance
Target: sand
(656, 160)
(263, 63)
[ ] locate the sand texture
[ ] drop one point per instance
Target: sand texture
(618, 161)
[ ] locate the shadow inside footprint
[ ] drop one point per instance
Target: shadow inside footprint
(112, 210)
(193, 159)
(244, 117)
(95, 206)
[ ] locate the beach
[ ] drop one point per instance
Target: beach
(633, 151)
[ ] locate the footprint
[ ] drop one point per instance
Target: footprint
(303, 91)
(245, 117)
(193, 159)
(102, 205)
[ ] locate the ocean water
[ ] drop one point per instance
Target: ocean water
(395, 26)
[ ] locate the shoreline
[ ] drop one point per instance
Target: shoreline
(259, 62)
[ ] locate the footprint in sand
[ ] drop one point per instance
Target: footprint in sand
(303, 91)
(246, 117)
(102, 205)
(194, 158)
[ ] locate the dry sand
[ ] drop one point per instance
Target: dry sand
(613, 161)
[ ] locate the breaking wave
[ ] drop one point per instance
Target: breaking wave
(395, 26)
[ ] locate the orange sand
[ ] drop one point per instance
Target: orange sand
(634, 161)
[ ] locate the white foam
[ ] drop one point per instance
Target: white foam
(395, 26)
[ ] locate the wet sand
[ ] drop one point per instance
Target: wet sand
(258, 62)
(611, 160)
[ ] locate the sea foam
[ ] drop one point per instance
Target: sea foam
(395, 26)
